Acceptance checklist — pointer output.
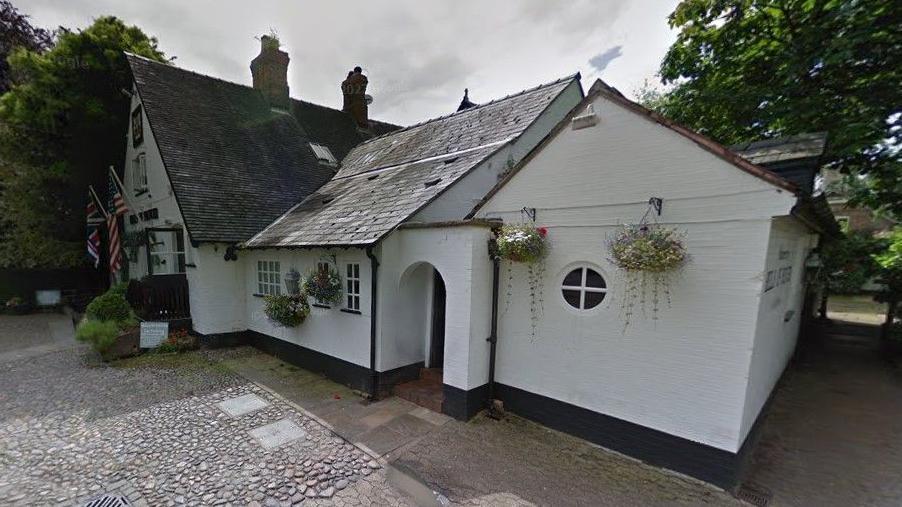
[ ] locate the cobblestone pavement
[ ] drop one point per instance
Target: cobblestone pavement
(833, 435)
(72, 428)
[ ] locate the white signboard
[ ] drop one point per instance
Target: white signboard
(153, 334)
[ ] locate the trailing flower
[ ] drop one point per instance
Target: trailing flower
(522, 243)
(286, 310)
(324, 285)
(653, 249)
(525, 244)
(648, 255)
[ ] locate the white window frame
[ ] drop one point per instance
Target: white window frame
(352, 286)
(323, 154)
(139, 173)
(582, 288)
(269, 278)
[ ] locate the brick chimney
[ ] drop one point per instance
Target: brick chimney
(353, 88)
(270, 72)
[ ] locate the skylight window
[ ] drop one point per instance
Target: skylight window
(323, 154)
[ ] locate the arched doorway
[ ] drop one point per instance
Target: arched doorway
(437, 332)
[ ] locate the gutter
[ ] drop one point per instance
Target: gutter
(374, 278)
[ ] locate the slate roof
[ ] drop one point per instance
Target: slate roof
(385, 180)
(782, 149)
(234, 164)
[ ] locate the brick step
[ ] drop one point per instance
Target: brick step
(425, 393)
(432, 374)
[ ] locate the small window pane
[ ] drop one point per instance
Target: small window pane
(593, 279)
(593, 299)
(572, 297)
(574, 278)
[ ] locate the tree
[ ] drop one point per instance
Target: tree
(16, 31)
(847, 265)
(890, 262)
(749, 69)
(62, 124)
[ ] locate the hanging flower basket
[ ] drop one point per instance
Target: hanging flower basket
(652, 249)
(324, 285)
(286, 310)
(524, 243)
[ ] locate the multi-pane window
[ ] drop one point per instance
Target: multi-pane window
(269, 278)
(352, 287)
(165, 251)
(139, 173)
(584, 288)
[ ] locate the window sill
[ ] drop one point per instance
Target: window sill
(317, 305)
(348, 310)
(190, 265)
(256, 295)
(139, 193)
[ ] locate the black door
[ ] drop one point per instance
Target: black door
(437, 348)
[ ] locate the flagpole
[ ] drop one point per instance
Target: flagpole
(101, 207)
(122, 191)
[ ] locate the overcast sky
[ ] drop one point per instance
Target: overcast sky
(419, 55)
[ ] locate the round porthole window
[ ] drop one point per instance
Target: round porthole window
(584, 288)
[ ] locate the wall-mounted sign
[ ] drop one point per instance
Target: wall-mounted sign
(153, 334)
(137, 127)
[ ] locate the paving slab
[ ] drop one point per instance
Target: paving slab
(241, 405)
(278, 433)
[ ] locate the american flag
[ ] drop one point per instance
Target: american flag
(117, 207)
(117, 203)
(112, 224)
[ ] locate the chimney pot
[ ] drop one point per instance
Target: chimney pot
(270, 72)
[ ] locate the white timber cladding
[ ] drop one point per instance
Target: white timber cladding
(147, 187)
(456, 202)
(779, 311)
(327, 330)
(685, 374)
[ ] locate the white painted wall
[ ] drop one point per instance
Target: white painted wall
(685, 374)
(779, 312)
(217, 291)
(457, 201)
(460, 255)
(160, 194)
(330, 331)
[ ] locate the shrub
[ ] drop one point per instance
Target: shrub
(287, 310)
(100, 334)
(111, 306)
(177, 341)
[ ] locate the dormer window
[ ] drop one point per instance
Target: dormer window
(323, 154)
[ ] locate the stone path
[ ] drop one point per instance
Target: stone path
(833, 436)
(152, 429)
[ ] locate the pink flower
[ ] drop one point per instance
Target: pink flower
(542, 231)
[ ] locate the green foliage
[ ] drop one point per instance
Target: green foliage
(742, 70)
(61, 126)
(325, 286)
(100, 334)
(890, 262)
(17, 32)
(111, 306)
(847, 262)
(522, 243)
(648, 248)
(286, 310)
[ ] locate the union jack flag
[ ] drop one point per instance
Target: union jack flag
(94, 244)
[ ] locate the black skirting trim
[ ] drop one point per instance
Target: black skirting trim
(651, 446)
(220, 340)
(463, 405)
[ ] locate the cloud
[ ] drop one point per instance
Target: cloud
(601, 61)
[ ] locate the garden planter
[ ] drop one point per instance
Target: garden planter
(126, 345)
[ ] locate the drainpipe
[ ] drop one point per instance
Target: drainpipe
(374, 272)
(493, 335)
